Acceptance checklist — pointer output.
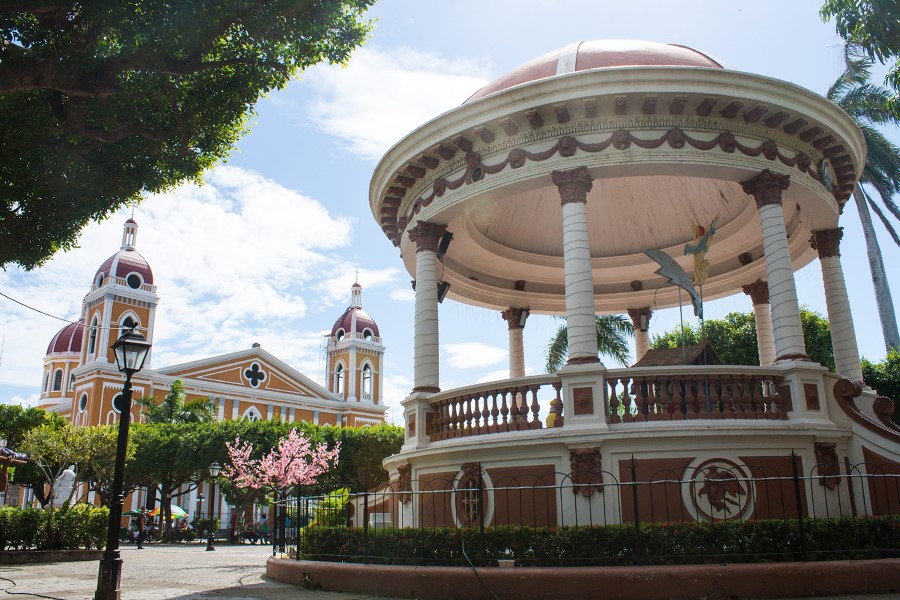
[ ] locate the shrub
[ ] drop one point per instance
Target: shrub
(71, 527)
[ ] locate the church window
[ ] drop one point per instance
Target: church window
(92, 340)
(368, 335)
(46, 386)
(118, 402)
(134, 281)
(82, 403)
(251, 414)
(100, 280)
(71, 381)
(57, 380)
(367, 382)
(339, 377)
(127, 325)
(339, 335)
(255, 375)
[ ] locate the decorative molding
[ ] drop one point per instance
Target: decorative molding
(811, 394)
(511, 316)
(766, 187)
(586, 471)
(404, 483)
(827, 465)
(845, 393)
(411, 425)
(758, 292)
(566, 146)
(827, 242)
(583, 401)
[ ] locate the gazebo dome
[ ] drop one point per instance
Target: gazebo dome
(67, 339)
(599, 54)
(127, 263)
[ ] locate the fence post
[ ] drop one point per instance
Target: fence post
(366, 527)
(283, 523)
(481, 514)
(796, 476)
(275, 523)
(637, 513)
(297, 521)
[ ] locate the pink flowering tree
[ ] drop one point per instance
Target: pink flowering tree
(294, 461)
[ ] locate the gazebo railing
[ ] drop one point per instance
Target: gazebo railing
(722, 392)
(495, 407)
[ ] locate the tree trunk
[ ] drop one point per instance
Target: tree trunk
(879, 277)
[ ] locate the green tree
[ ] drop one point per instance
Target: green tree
(174, 408)
(101, 102)
(884, 378)
(734, 338)
(613, 332)
(871, 105)
(872, 24)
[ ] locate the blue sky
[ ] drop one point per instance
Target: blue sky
(266, 250)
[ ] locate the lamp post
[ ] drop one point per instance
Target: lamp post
(214, 471)
(131, 351)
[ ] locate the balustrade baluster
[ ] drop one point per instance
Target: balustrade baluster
(679, 390)
(639, 386)
(748, 408)
(704, 395)
(437, 423)
(485, 413)
(609, 388)
(557, 405)
(495, 413)
(472, 415)
(630, 415)
(449, 432)
(730, 389)
(504, 409)
(690, 399)
(535, 407)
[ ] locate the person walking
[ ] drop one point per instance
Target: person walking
(141, 529)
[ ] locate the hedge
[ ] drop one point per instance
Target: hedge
(658, 544)
(69, 528)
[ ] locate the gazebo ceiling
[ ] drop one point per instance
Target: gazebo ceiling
(667, 146)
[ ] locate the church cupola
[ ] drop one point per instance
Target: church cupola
(355, 354)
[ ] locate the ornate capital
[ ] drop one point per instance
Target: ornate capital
(766, 187)
(758, 292)
(404, 483)
(827, 242)
(513, 316)
(426, 235)
(573, 185)
(635, 314)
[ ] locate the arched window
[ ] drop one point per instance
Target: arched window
(367, 380)
(46, 386)
(57, 380)
(368, 335)
(251, 414)
(339, 335)
(127, 324)
(71, 381)
(117, 402)
(134, 281)
(82, 403)
(92, 339)
(339, 377)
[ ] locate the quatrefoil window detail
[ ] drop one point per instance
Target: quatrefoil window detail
(255, 375)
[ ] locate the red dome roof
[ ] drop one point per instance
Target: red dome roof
(600, 54)
(363, 322)
(126, 261)
(67, 339)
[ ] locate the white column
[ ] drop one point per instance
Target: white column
(843, 336)
(766, 188)
(640, 318)
(765, 340)
(426, 361)
(573, 187)
(515, 318)
(352, 370)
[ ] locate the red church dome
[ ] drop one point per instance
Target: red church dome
(355, 314)
(599, 54)
(67, 339)
(126, 263)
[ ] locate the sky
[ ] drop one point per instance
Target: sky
(267, 248)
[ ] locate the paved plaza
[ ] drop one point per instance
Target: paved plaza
(163, 571)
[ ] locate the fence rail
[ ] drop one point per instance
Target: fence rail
(473, 504)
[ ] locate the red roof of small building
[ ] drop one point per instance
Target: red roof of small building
(67, 339)
(599, 54)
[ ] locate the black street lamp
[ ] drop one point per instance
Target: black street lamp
(131, 351)
(214, 471)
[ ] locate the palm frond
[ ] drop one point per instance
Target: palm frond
(886, 197)
(558, 350)
(887, 224)
(612, 340)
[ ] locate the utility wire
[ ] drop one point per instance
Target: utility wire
(46, 314)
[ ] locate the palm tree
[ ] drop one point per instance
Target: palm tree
(871, 105)
(612, 334)
(174, 409)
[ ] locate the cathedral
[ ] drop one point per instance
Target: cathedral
(81, 382)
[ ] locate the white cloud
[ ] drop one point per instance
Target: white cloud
(396, 388)
(237, 260)
(470, 355)
(337, 288)
(403, 295)
(382, 95)
(496, 375)
(26, 401)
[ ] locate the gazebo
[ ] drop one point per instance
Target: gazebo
(549, 190)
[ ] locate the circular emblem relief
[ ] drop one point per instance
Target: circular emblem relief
(468, 502)
(718, 489)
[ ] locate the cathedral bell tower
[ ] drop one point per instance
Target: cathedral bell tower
(355, 354)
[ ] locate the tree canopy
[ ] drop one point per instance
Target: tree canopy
(101, 102)
(872, 24)
(734, 338)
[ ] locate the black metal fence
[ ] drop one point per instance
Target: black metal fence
(477, 502)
